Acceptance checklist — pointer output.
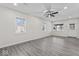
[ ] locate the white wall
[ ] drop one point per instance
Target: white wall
(66, 30)
(8, 35)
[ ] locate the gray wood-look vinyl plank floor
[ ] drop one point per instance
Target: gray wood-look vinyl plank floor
(49, 46)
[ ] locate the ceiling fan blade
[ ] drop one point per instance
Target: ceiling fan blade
(52, 15)
(55, 13)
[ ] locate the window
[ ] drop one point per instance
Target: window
(72, 26)
(20, 25)
(58, 27)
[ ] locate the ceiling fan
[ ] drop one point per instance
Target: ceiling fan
(49, 12)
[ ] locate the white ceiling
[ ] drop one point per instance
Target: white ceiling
(36, 9)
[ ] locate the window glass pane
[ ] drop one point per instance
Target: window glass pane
(20, 25)
(72, 26)
(58, 27)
